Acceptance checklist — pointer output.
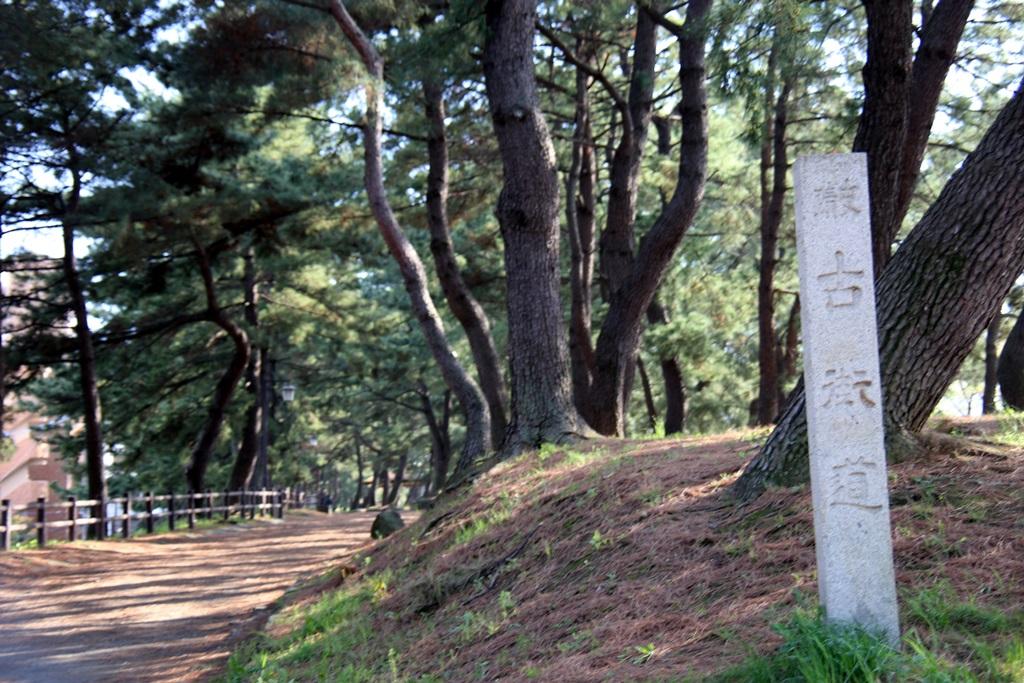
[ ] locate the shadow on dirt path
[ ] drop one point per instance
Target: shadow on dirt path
(159, 608)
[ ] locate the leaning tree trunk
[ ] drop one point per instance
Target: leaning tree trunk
(620, 332)
(542, 402)
(86, 352)
(1010, 369)
(940, 35)
(474, 407)
(940, 290)
(463, 305)
(195, 471)
(900, 98)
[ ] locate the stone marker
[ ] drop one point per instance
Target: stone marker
(856, 582)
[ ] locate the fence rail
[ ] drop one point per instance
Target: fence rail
(126, 515)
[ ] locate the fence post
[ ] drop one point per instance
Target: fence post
(101, 518)
(73, 518)
(252, 505)
(126, 525)
(5, 520)
(263, 501)
(243, 507)
(282, 503)
(170, 511)
(208, 505)
(149, 512)
(191, 509)
(226, 504)
(41, 522)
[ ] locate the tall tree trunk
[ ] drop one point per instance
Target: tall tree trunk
(652, 411)
(618, 239)
(440, 446)
(788, 349)
(463, 304)
(396, 487)
(671, 377)
(1010, 369)
(542, 403)
(580, 218)
(900, 99)
(371, 494)
(617, 242)
(940, 35)
(883, 120)
(771, 219)
(474, 407)
(266, 408)
(245, 462)
(988, 395)
(620, 332)
(941, 289)
(357, 499)
(195, 471)
(86, 352)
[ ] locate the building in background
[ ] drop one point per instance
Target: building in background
(29, 472)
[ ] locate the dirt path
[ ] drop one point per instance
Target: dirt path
(160, 608)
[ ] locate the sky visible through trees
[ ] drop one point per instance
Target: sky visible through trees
(435, 217)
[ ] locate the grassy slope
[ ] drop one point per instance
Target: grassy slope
(623, 561)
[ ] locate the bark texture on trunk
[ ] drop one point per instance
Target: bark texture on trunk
(618, 239)
(620, 333)
(396, 486)
(440, 442)
(580, 210)
(86, 352)
(195, 471)
(243, 469)
(542, 402)
(645, 382)
(463, 305)
(471, 399)
(267, 407)
(901, 93)
(940, 34)
(988, 395)
(777, 161)
(1010, 369)
(357, 499)
(883, 120)
(671, 377)
(941, 289)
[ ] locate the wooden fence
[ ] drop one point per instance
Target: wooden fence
(73, 519)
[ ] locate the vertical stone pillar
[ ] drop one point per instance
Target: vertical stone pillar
(844, 399)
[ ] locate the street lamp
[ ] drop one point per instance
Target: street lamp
(288, 392)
